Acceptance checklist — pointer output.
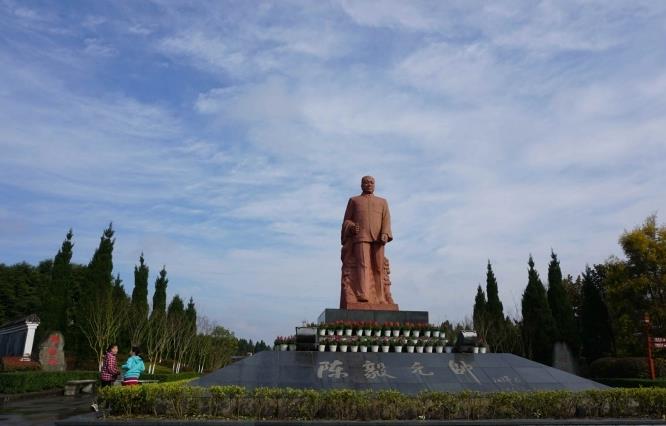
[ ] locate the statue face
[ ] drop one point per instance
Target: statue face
(368, 184)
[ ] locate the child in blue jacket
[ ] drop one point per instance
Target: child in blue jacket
(133, 368)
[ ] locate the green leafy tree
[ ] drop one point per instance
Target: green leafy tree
(538, 323)
(560, 305)
(637, 285)
(596, 333)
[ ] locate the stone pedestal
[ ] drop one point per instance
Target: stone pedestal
(371, 307)
(333, 315)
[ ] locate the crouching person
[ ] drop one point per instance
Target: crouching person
(133, 368)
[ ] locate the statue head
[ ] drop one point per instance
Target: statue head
(368, 184)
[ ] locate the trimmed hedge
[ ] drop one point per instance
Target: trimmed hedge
(180, 401)
(32, 381)
(626, 368)
(170, 377)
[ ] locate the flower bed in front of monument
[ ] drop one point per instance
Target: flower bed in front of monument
(178, 401)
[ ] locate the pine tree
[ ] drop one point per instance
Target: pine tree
(191, 316)
(560, 305)
(596, 333)
(56, 298)
(480, 313)
(140, 292)
(159, 297)
(176, 308)
(100, 270)
(494, 311)
(538, 323)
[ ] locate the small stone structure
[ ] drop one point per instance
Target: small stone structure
(52, 354)
(17, 337)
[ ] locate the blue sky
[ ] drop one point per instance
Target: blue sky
(224, 138)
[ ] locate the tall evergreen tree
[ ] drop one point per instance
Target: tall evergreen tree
(494, 312)
(538, 323)
(191, 316)
(176, 308)
(100, 270)
(160, 297)
(561, 307)
(596, 333)
(140, 292)
(56, 298)
(480, 314)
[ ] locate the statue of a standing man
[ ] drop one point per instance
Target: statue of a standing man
(366, 228)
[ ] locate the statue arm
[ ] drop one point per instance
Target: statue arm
(346, 222)
(386, 224)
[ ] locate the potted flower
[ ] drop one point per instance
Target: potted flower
(427, 330)
(322, 329)
(448, 348)
(374, 345)
(416, 331)
(406, 329)
(368, 328)
(434, 331)
(330, 329)
(429, 343)
(322, 345)
(339, 328)
(281, 342)
(483, 348)
(439, 346)
(363, 344)
(292, 343)
(348, 328)
(353, 345)
(398, 343)
(343, 345)
(358, 327)
(442, 330)
(419, 346)
(386, 345)
(333, 345)
(376, 330)
(386, 328)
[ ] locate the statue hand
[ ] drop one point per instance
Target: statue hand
(384, 238)
(356, 228)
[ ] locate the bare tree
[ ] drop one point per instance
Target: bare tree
(101, 324)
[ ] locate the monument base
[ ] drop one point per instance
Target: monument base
(383, 316)
(371, 306)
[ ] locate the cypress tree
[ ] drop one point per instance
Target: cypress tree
(100, 270)
(159, 297)
(191, 316)
(596, 333)
(494, 311)
(56, 297)
(561, 306)
(479, 314)
(538, 323)
(140, 291)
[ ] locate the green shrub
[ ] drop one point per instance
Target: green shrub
(178, 400)
(169, 377)
(628, 367)
(31, 381)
